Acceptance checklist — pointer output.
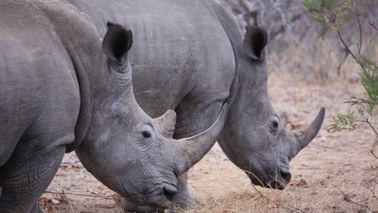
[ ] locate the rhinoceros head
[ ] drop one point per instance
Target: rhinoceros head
(254, 137)
(124, 148)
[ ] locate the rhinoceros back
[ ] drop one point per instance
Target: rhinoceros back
(180, 49)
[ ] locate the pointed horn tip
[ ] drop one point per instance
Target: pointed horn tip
(321, 115)
(322, 110)
(314, 127)
(317, 123)
(224, 109)
(223, 114)
(171, 112)
(218, 124)
(306, 136)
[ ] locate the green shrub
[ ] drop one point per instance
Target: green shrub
(332, 15)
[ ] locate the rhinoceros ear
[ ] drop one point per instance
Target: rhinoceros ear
(254, 42)
(117, 42)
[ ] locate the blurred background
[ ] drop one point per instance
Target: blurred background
(294, 43)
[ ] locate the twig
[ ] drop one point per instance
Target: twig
(276, 203)
(372, 149)
(349, 200)
(375, 28)
(345, 45)
(342, 61)
(373, 25)
(69, 203)
(360, 28)
(78, 194)
(371, 126)
(374, 155)
(372, 191)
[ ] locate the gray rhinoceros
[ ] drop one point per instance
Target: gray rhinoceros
(190, 56)
(63, 88)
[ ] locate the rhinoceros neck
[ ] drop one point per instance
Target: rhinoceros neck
(85, 113)
(88, 76)
(82, 42)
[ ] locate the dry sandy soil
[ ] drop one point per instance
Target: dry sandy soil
(335, 173)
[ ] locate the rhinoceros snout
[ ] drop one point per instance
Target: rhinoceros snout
(164, 199)
(278, 181)
(286, 175)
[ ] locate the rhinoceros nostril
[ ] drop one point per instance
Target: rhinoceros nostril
(285, 175)
(170, 191)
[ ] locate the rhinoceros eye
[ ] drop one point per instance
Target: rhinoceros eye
(146, 134)
(274, 124)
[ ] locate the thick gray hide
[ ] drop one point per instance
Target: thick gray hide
(189, 56)
(63, 89)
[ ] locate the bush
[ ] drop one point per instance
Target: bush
(332, 15)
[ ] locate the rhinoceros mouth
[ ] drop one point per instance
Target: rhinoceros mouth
(164, 198)
(276, 185)
(159, 196)
(278, 182)
(162, 202)
(159, 201)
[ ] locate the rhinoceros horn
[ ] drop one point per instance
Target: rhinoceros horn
(305, 137)
(166, 123)
(188, 151)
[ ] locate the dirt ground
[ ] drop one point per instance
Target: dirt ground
(335, 173)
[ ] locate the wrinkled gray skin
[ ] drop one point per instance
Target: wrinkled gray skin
(63, 88)
(196, 59)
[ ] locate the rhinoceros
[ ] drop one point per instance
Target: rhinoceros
(195, 58)
(64, 88)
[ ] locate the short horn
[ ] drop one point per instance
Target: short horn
(166, 123)
(191, 150)
(305, 137)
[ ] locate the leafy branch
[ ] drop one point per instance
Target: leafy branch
(332, 15)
